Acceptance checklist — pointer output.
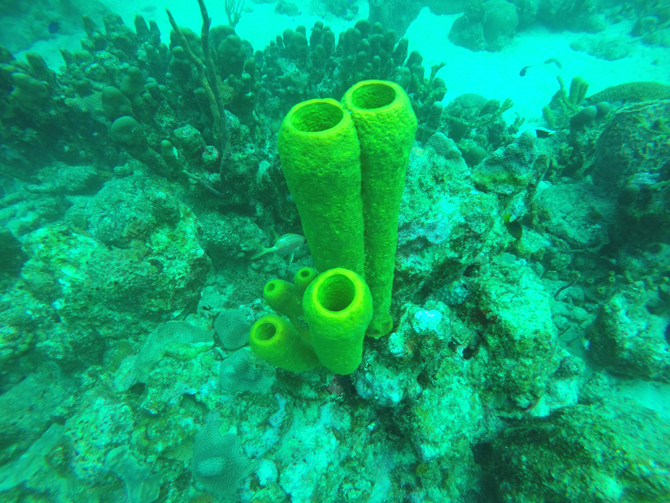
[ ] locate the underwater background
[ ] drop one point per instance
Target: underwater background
(333, 251)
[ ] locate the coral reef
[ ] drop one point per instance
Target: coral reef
(571, 446)
(527, 297)
(485, 25)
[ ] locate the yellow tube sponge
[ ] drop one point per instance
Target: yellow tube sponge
(285, 298)
(277, 341)
(386, 125)
(303, 278)
(338, 308)
(320, 158)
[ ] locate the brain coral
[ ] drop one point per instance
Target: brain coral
(232, 328)
(632, 91)
(218, 462)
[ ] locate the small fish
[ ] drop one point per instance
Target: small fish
(53, 27)
(543, 133)
(513, 227)
(523, 70)
(554, 61)
(285, 245)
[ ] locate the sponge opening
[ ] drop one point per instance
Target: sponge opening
(336, 293)
(316, 116)
(373, 95)
(265, 332)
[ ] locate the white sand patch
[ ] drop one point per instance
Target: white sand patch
(653, 395)
(496, 74)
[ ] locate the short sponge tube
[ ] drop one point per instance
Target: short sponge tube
(283, 297)
(276, 340)
(286, 298)
(338, 308)
(303, 278)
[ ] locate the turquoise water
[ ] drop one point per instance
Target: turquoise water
(335, 251)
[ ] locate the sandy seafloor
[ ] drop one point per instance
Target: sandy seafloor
(491, 74)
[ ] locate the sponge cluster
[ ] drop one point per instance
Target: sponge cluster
(345, 166)
(327, 313)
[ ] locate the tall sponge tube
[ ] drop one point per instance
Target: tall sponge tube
(337, 307)
(386, 126)
(320, 158)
